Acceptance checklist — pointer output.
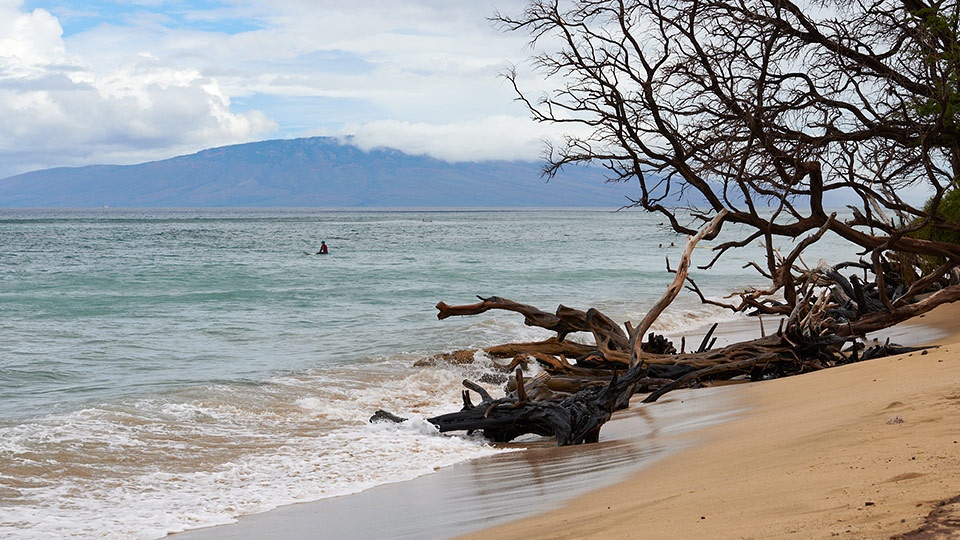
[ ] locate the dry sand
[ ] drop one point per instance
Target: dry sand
(869, 450)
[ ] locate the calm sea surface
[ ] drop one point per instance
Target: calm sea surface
(162, 370)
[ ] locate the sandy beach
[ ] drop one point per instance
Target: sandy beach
(480, 493)
(869, 450)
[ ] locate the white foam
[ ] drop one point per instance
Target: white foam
(165, 466)
(280, 472)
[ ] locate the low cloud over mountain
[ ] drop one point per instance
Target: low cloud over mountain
(314, 172)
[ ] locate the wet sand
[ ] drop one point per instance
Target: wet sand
(820, 455)
(869, 450)
(472, 496)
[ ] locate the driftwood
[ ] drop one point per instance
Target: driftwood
(710, 230)
(552, 346)
(563, 322)
(580, 385)
(573, 419)
(571, 402)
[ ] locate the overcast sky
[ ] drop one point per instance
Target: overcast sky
(102, 81)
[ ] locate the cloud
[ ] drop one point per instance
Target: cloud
(61, 110)
(29, 42)
(147, 80)
(495, 137)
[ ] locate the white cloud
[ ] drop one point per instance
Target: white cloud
(61, 110)
(29, 42)
(419, 75)
(495, 137)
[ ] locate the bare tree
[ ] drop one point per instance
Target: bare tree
(760, 112)
(765, 109)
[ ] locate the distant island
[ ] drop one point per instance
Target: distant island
(310, 172)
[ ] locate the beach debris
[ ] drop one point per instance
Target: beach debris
(573, 396)
(384, 416)
(580, 385)
(574, 419)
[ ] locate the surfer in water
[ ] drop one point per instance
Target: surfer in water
(323, 248)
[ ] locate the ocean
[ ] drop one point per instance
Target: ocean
(164, 370)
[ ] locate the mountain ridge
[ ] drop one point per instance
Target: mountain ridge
(309, 172)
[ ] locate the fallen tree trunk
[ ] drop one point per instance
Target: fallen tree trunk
(563, 322)
(581, 385)
(551, 346)
(545, 407)
(746, 365)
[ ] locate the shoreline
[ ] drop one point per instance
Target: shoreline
(632, 440)
(867, 450)
(470, 496)
(592, 490)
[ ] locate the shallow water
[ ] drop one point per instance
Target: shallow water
(481, 493)
(162, 370)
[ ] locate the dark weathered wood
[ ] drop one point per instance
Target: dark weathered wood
(582, 384)
(737, 368)
(563, 322)
(704, 344)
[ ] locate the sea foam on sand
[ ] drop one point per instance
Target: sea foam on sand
(495, 489)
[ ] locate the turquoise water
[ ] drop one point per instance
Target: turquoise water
(168, 369)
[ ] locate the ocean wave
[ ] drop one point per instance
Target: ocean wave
(205, 456)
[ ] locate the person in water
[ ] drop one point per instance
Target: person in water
(323, 248)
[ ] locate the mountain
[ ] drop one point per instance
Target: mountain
(313, 172)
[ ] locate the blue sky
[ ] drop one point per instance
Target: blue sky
(102, 81)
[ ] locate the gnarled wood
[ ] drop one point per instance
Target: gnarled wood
(551, 346)
(582, 384)
(708, 231)
(563, 322)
